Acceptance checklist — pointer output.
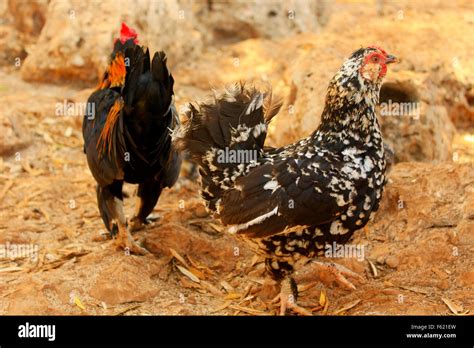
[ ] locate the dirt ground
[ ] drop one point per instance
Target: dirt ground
(418, 252)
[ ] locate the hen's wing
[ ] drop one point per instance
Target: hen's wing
(286, 193)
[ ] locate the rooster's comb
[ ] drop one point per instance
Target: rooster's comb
(127, 33)
(378, 48)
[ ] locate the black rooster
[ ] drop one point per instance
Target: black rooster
(292, 201)
(127, 138)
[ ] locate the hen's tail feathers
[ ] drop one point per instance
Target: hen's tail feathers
(235, 120)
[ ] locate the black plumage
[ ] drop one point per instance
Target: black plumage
(128, 138)
(292, 201)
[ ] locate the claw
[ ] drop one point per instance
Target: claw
(125, 241)
(136, 224)
(338, 271)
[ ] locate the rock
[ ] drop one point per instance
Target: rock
(77, 37)
(22, 301)
(239, 20)
(443, 284)
(72, 29)
(307, 76)
(392, 261)
(122, 282)
(88, 29)
(77, 60)
(465, 233)
(13, 48)
(28, 18)
(412, 123)
(469, 205)
(200, 211)
(467, 279)
(20, 25)
(455, 91)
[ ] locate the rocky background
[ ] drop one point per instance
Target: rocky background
(419, 250)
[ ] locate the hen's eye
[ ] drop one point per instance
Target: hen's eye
(375, 59)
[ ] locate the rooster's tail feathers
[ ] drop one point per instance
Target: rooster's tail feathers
(160, 91)
(136, 62)
(161, 74)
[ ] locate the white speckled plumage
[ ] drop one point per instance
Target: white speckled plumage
(329, 183)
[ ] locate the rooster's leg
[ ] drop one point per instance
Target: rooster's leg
(337, 272)
(111, 209)
(147, 196)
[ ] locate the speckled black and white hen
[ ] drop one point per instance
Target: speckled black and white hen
(291, 201)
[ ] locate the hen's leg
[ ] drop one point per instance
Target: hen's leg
(288, 296)
(110, 200)
(147, 196)
(289, 291)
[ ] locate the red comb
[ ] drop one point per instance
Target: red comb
(378, 48)
(127, 33)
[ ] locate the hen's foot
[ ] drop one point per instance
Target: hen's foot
(288, 296)
(338, 272)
